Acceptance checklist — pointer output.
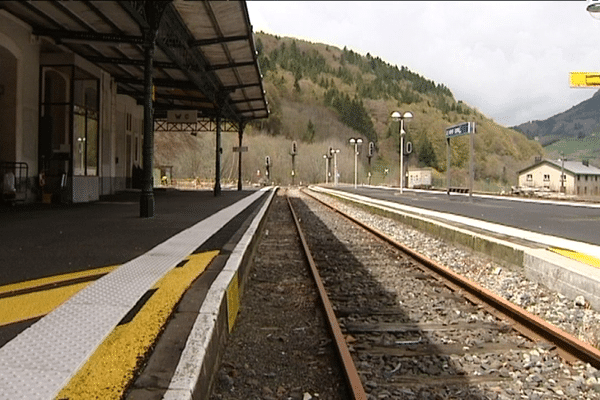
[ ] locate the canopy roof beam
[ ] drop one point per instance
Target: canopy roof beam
(64, 36)
(209, 42)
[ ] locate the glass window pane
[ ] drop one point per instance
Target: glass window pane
(79, 142)
(92, 144)
(85, 93)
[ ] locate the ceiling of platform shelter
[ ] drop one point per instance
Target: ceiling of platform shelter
(205, 53)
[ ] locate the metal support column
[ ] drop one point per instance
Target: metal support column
(147, 196)
(240, 135)
(218, 151)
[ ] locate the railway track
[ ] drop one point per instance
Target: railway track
(405, 331)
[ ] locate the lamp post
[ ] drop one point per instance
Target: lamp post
(562, 172)
(335, 171)
(593, 8)
(356, 142)
(399, 117)
(81, 141)
(369, 156)
(326, 157)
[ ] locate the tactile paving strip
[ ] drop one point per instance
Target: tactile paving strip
(43, 358)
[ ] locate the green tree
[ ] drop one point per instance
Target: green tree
(426, 154)
(309, 135)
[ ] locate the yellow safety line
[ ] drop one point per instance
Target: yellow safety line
(108, 372)
(22, 307)
(37, 304)
(55, 279)
(584, 258)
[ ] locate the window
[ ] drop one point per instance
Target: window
(529, 177)
(85, 127)
(69, 121)
(546, 177)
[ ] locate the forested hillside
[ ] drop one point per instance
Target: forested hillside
(577, 122)
(320, 96)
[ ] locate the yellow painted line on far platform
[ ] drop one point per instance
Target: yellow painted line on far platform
(108, 372)
(584, 258)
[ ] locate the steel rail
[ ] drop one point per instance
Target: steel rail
(352, 377)
(525, 322)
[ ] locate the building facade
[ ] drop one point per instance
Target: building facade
(579, 177)
(82, 84)
(62, 118)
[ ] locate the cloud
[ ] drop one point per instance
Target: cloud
(508, 59)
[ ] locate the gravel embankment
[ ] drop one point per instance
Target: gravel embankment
(571, 315)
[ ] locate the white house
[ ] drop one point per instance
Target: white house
(579, 177)
(419, 178)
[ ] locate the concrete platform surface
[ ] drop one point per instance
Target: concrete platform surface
(45, 240)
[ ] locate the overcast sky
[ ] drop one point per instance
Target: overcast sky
(509, 59)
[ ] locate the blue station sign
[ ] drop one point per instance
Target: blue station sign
(461, 129)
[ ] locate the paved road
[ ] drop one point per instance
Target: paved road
(576, 223)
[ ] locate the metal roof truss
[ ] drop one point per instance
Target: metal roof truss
(205, 55)
(202, 125)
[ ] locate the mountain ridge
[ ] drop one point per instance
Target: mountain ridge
(578, 122)
(320, 96)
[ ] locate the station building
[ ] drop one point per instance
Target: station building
(420, 178)
(74, 96)
(580, 178)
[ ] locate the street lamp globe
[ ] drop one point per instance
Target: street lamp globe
(396, 116)
(593, 8)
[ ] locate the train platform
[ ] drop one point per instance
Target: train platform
(86, 289)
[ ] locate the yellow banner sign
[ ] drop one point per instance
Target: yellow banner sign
(584, 79)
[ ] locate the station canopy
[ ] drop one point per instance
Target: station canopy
(204, 56)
